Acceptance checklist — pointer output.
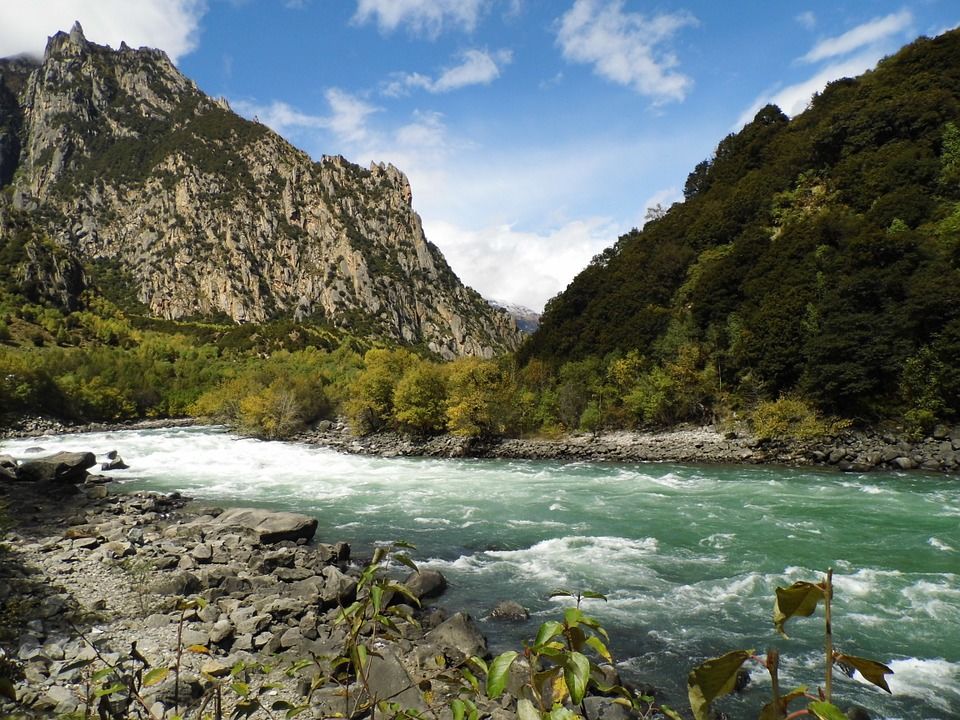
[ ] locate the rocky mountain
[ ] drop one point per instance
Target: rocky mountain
(113, 161)
(527, 320)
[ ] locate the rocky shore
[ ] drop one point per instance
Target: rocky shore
(851, 452)
(188, 605)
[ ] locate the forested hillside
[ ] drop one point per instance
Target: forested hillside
(818, 256)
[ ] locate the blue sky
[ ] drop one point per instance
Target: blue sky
(533, 132)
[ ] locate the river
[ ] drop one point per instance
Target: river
(688, 556)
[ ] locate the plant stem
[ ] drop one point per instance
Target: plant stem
(828, 634)
(773, 667)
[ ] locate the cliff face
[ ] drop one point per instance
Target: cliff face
(121, 158)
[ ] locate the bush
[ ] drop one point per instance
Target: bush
(792, 418)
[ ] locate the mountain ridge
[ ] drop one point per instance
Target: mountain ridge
(121, 159)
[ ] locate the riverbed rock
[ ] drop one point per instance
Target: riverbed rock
(270, 527)
(509, 611)
(65, 467)
(426, 584)
(8, 468)
(458, 633)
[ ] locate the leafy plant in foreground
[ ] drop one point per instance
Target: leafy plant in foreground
(718, 676)
(560, 670)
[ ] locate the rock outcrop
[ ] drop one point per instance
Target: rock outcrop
(119, 161)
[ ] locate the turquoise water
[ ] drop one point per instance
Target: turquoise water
(688, 556)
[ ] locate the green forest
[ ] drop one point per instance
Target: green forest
(810, 279)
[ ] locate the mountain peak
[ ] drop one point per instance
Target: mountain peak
(205, 214)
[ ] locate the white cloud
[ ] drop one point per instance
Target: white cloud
(424, 17)
(794, 99)
(347, 119)
(171, 25)
(807, 20)
(664, 198)
(476, 67)
(626, 48)
(528, 268)
(861, 36)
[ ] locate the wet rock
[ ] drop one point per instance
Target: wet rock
(426, 584)
(509, 611)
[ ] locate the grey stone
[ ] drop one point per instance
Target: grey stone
(202, 553)
(290, 638)
(426, 584)
(338, 588)
(222, 630)
(177, 583)
(603, 708)
(904, 463)
(460, 634)
(389, 680)
(510, 611)
(192, 636)
(65, 467)
(271, 527)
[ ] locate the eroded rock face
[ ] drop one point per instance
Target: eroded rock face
(123, 160)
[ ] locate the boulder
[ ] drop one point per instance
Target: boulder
(458, 633)
(271, 527)
(8, 468)
(426, 584)
(67, 467)
(178, 583)
(387, 679)
(510, 611)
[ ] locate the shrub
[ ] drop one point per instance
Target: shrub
(792, 418)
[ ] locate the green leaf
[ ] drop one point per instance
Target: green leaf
(359, 657)
(405, 591)
(101, 674)
(670, 712)
(572, 617)
(155, 676)
(376, 595)
(404, 545)
(480, 664)
(471, 679)
(714, 678)
(547, 632)
(7, 689)
(561, 593)
(800, 599)
(526, 710)
(404, 559)
(294, 711)
(281, 705)
(576, 673)
(499, 672)
(871, 670)
(601, 649)
(240, 688)
(559, 712)
(826, 711)
(459, 709)
(112, 690)
(198, 649)
(590, 595)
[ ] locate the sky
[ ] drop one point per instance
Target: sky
(534, 132)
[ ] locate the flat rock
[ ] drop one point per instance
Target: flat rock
(426, 584)
(66, 467)
(271, 527)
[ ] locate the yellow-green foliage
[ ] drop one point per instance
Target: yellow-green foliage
(420, 399)
(791, 418)
(479, 398)
(369, 406)
(273, 397)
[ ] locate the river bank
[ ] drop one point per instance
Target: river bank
(92, 579)
(851, 452)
